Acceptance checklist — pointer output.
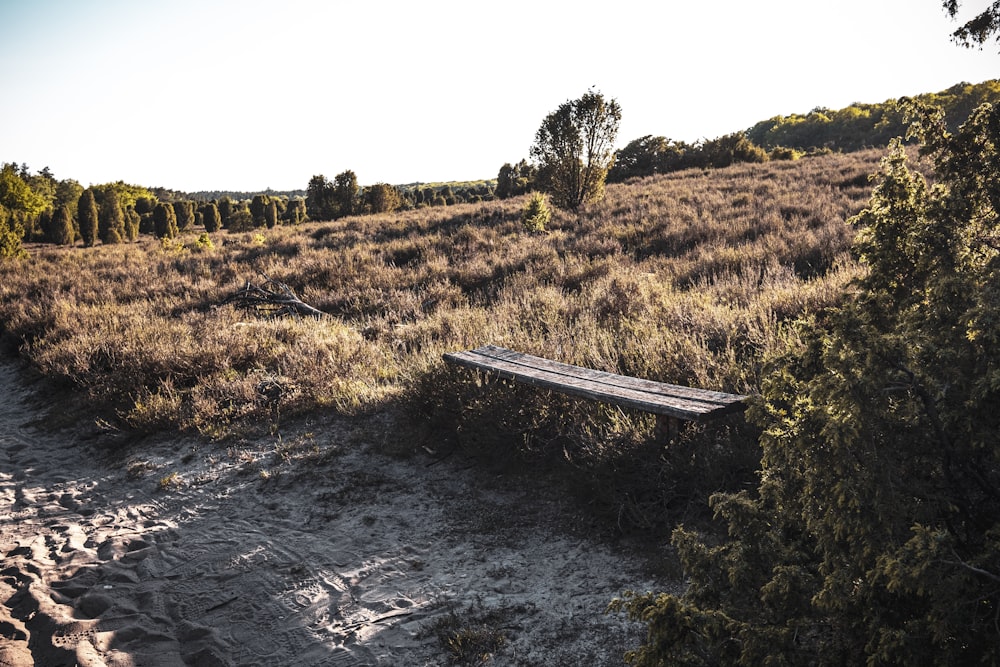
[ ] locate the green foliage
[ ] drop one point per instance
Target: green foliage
(258, 210)
(861, 125)
(574, 149)
(977, 30)
(164, 221)
(111, 219)
(345, 193)
(536, 214)
(295, 213)
(381, 198)
(11, 233)
(128, 195)
(17, 196)
(184, 213)
(87, 212)
(210, 217)
(513, 180)
(61, 230)
(875, 533)
(650, 155)
(271, 214)
(321, 203)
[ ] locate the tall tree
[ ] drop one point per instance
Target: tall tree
(210, 217)
(225, 212)
(111, 219)
(320, 204)
(184, 212)
(164, 221)
(258, 209)
(574, 149)
(345, 192)
(61, 230)
(87, 213)
(271, 213)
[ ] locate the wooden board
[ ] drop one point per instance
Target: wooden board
(647, 395)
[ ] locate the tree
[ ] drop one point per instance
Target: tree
(514, 180)
(111, 219)
(210, 217)
(164, 221)
(184, 213)
(649, 155)
(574, 149)
(87, 213)
(874, 536)
(977, 30)
(271, 214)
(10, 235)
(382, 198)
(61, 230)
(345, 192)
(132, 223)
(258, 209)
(225, 212)
(320, 202)
(296, 212)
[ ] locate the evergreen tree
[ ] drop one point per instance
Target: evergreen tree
(271, 214)
(225, 212)
(61, 230)
(87, 212)
(345, 192)
(184, 214)
(258, 210)
(132, 223)
(164, 221)
(210, 217)
(10, 235)
(874, 537)
(111, 219)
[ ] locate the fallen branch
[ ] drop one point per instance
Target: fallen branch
(272, 299)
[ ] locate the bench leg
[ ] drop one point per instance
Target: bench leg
(667, 428)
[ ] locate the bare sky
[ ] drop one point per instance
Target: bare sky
(245, 95)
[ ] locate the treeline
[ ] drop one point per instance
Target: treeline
(329, 200)
(822, 130)
(37, 207)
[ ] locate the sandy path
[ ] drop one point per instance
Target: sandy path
(309, 551)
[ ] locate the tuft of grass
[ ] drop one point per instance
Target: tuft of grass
(170, 481)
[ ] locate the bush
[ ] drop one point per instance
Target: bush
(536, 214)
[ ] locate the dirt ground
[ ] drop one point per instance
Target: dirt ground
(304, 548)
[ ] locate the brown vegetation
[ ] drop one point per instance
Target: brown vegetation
(685, 278)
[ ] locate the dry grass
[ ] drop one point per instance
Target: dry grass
(686, 278)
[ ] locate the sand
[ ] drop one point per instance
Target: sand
(302, 547)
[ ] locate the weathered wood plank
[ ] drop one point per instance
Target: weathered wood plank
(646, 395)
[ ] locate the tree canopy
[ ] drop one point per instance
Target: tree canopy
(574, 149)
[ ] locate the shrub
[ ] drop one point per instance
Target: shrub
(536, 214)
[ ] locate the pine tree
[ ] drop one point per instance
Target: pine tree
(874, 536)
(111, 219)
(87, 213)
(61, 227)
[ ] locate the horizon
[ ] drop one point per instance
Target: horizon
(244, 97)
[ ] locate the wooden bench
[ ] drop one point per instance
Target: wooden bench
(671, 404)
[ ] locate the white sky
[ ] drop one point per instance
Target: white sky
(245, 95)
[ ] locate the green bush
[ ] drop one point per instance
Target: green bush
(536, 214)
